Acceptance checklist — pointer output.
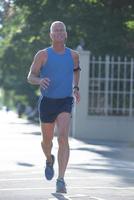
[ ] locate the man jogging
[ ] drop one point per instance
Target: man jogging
(56, 70)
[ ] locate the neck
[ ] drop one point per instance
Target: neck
(58, 47)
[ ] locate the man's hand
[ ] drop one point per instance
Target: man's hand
(77, 95)
(44, 83)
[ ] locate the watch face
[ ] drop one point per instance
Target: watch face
(76, 87)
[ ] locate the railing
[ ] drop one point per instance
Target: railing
(111, 86)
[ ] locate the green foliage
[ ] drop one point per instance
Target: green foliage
(106, 26)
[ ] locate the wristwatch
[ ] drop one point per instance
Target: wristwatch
(76, 87)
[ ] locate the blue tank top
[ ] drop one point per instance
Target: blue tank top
(59, 69)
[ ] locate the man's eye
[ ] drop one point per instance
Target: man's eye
(60, 30)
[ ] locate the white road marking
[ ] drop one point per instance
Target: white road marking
(21, 189)
(67, 197)
(19, 179)
(68, 178)
(62, 198)
(51, 188)
(96, 198)
(80, 195)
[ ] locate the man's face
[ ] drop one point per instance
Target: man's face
(58, 32)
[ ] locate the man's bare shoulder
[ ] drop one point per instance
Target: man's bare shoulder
(75, 54)
(41, 54)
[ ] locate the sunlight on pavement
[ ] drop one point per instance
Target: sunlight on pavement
(8, 116)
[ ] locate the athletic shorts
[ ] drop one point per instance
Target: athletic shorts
(50, 108)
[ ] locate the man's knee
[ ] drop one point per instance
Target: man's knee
(46, 142)
(63, 140)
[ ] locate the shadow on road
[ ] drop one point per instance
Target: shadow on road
(20, 122)
(60, 196)
(32, 133)
(112, 161)
(25, 164)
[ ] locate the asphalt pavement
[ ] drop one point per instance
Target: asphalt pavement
(97, 170)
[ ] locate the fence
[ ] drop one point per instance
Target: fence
(111, 86)
(106, 109)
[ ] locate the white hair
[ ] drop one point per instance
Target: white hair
(57, 22)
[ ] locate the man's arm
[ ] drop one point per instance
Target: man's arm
(33, 75)
(77, 69)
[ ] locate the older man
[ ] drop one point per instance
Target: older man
(56, 70)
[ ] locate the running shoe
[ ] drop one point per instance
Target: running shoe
(49, 170)
(61, 186)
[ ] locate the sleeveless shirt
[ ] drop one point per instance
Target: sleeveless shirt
(59, 69)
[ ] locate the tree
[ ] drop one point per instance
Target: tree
(106, 26)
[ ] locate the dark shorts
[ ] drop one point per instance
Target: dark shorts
(50, 108)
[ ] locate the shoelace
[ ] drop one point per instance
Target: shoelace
(62, 181)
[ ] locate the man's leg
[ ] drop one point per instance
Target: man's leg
(63, 125)
(47, 137)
